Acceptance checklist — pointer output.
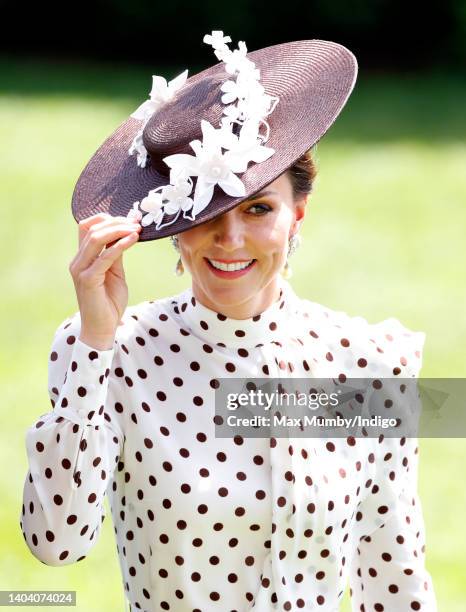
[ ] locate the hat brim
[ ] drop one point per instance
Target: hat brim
(313, 80)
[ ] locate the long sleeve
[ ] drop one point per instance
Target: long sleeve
(387, 571)
(72, 452)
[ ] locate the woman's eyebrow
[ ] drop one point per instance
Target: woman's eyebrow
(262, 193)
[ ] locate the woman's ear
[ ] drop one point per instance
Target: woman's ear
(300, 213)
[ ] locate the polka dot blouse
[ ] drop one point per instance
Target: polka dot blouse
(206, 524)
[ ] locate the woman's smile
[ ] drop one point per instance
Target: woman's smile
(230, 269)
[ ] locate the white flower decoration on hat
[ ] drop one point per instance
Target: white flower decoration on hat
(152, 205)
(161, 92)
(209, 163)
(217, 40)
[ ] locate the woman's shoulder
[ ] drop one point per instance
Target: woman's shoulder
(383, 348)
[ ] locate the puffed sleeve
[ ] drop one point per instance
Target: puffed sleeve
(387, 570)
(72, 451)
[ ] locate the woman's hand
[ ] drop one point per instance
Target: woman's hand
(99, 276)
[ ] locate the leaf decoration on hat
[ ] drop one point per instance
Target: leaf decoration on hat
(221, 154)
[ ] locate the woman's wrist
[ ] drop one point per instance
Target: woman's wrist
(99, 343)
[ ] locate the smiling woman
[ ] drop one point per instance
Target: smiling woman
(256, 519)
(251, 242)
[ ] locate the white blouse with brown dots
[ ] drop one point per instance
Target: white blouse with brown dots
(210, 524)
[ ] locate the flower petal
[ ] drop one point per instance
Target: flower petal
(182, 161)
(261, 153)
(210, 136)
(151, 204)
(228, 86)
(228, 97)
(159, 86)
(237, 161)
(187, 204)
(178, 82)
(202, 196)
(233, 186)
(143, 110)
(196, 146)
(171, 207)
(147, 220)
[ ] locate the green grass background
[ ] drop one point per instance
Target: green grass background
(384, 236)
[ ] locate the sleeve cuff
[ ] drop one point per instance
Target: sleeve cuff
(83, 393)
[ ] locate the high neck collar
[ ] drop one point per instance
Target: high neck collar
(214, 327)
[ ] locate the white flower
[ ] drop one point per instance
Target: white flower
(249, 73)
(247, 148)
(177, 196)
(231, 91)
(250, 84)
(215, 170)
(213, 141)
(216, 39)
(152, 204)
(212, 137)
(135, 214)
(256, 107)
(223, 53)
(237, 60)
(209, 165)
(138, 146)
(234, 90)
(161, 92)
(232, 115)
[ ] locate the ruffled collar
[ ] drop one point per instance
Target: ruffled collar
(272, 324)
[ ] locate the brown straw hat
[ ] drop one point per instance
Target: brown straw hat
(312, 80)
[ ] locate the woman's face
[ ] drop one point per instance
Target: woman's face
(256, 231)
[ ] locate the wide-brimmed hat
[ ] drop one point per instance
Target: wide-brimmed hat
(288, 95)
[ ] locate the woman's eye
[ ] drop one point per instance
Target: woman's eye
(263, 208)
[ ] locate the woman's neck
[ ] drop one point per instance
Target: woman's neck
(228, 300)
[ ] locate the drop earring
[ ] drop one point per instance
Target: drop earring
(293, 244)
(179, 268)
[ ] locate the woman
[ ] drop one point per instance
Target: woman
(205, 522)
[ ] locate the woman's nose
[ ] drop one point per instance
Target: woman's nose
(228, 231)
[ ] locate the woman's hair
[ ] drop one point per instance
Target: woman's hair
(302, 174)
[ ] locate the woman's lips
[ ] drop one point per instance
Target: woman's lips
(233, 274)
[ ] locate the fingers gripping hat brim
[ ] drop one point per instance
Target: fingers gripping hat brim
(313, 80)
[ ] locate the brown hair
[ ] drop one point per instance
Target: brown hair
(302, 174)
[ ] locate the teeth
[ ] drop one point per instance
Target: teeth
(230, 267)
